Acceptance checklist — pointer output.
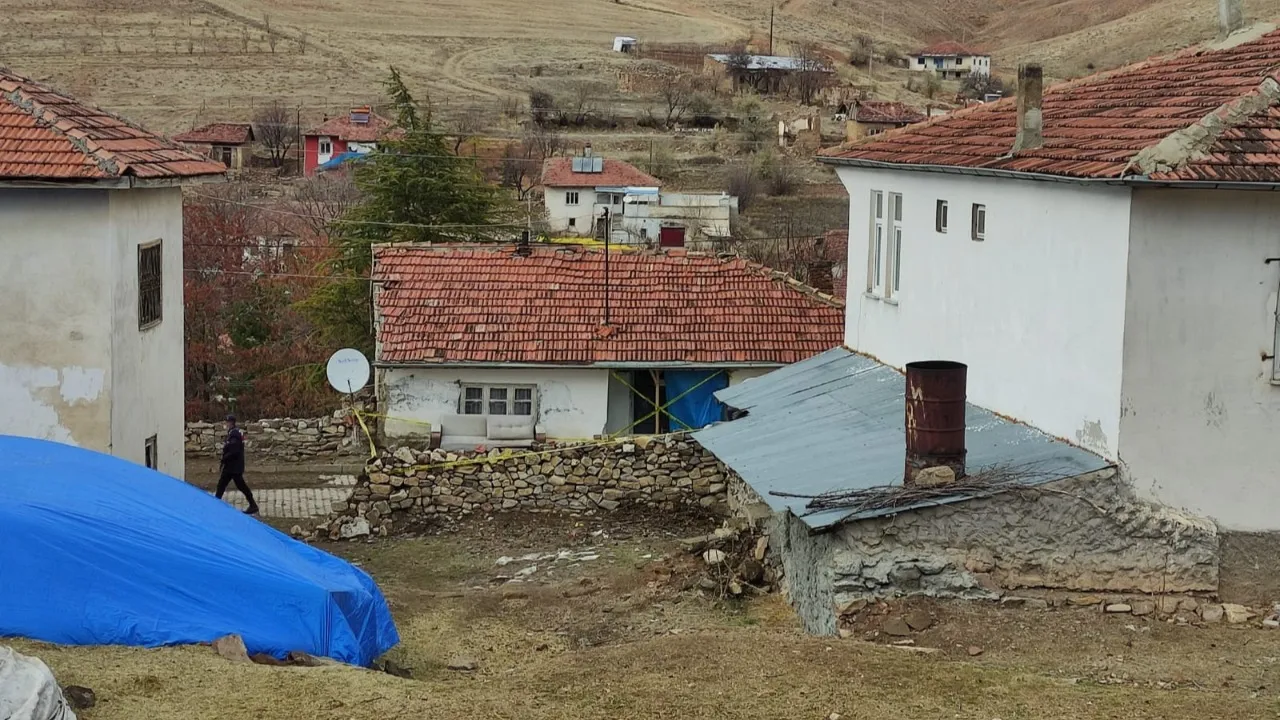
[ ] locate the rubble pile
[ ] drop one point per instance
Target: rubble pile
(736, 559)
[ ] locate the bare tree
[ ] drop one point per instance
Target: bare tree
(544, 142)
(582, 101)
(470, 123)
(324, 198)
(277, 129)
(519, 171)
(860, 53)
(302, 41)
(977, 85)
(676, 90)
(739, 65)
(271, 35)
(811, 72)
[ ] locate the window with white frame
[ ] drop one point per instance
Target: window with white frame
(326, 146)
(498, 399)
(875, 246)
(979, 223)
(571, 197)
(940, 216)
(894, 281)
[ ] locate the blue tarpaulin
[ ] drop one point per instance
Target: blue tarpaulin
(341, 159)
(698, 407)
(95, 550)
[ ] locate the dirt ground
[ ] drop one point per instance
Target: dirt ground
(616, 628)
(202, 472)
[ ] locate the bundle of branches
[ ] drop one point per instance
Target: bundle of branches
(986, 481)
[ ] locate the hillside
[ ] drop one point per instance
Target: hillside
(175, 63)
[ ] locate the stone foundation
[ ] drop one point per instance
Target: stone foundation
(1082, 535)
(283, 438)
(405, 485)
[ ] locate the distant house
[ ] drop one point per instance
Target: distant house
(356, 132)
(578, 191)
(624, 44)
(873, 117)
(91, 345)
(496, 346)
(229, 143)
(762, 73)
(675, 219)
(950, 61)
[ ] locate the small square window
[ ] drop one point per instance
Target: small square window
(573, 222)
(979, 222)
(571, 198)
(473, 401)
(940, 216)
(523, 404)
(603, 198)
(498, 401)
(149, 453)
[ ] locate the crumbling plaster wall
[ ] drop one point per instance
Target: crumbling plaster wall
(1084, 534)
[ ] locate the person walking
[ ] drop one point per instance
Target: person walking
(233, 466)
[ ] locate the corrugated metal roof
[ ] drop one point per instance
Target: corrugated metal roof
(835, 422)
(773, 62)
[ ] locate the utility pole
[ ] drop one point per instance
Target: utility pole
(770, 29)
(302, 152)
(607, 231)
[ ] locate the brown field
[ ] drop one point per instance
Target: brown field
(627, 635)
(175, 63)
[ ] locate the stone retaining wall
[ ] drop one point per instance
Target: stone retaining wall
(282, 438)
(406, 485)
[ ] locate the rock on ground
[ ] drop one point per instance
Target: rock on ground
(232, 648)
(80, 698)
(1237, 614)
(1211, 613)
(463, 664)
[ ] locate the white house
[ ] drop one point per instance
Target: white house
(676, 219)
(577, 191)
(494, 346)
(1105, 260)
(91, 221)
(950, 61)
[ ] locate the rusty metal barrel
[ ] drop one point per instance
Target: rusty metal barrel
(935, 416)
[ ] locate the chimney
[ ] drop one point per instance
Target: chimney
(522, 245)
(935, 421)
(586, 150)
(1230, 16)
(820, 276)
(1030, 104)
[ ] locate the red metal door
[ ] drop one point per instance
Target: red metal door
(671, 237)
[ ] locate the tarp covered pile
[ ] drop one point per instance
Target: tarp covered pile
(95, 550)
(28, 690)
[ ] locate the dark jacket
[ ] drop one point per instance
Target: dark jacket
(233, 453)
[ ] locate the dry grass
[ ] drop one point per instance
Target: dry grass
(175, 63)
(619, 638)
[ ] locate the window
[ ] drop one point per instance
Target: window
(603, 198)
(644, 233)
(150, 285)
(919, 61)
(326, 146)
(573, 222)
(149, 453)
(571, 198)
(223, 153)
(979, 222)
(875, 249)
(497, 400)
(895, 255)
(940, 217)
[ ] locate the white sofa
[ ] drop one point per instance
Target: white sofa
(463, 432)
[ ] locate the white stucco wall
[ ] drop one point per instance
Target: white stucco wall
(1201, 418)
(147, 375)
(55, 336)
(1036, 310)
(572, 402)
(558, 212)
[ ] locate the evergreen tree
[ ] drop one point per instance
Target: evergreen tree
(414, 189)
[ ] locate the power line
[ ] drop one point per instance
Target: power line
(380, 223)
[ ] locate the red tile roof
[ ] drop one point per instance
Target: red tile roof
(342, 128)
(558, 172)
(46, 135)
(447, 304)
(874, 111)
(1202, 114)
(218, 134)
(949, 48)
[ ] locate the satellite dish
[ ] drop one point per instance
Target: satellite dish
(348, 370)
